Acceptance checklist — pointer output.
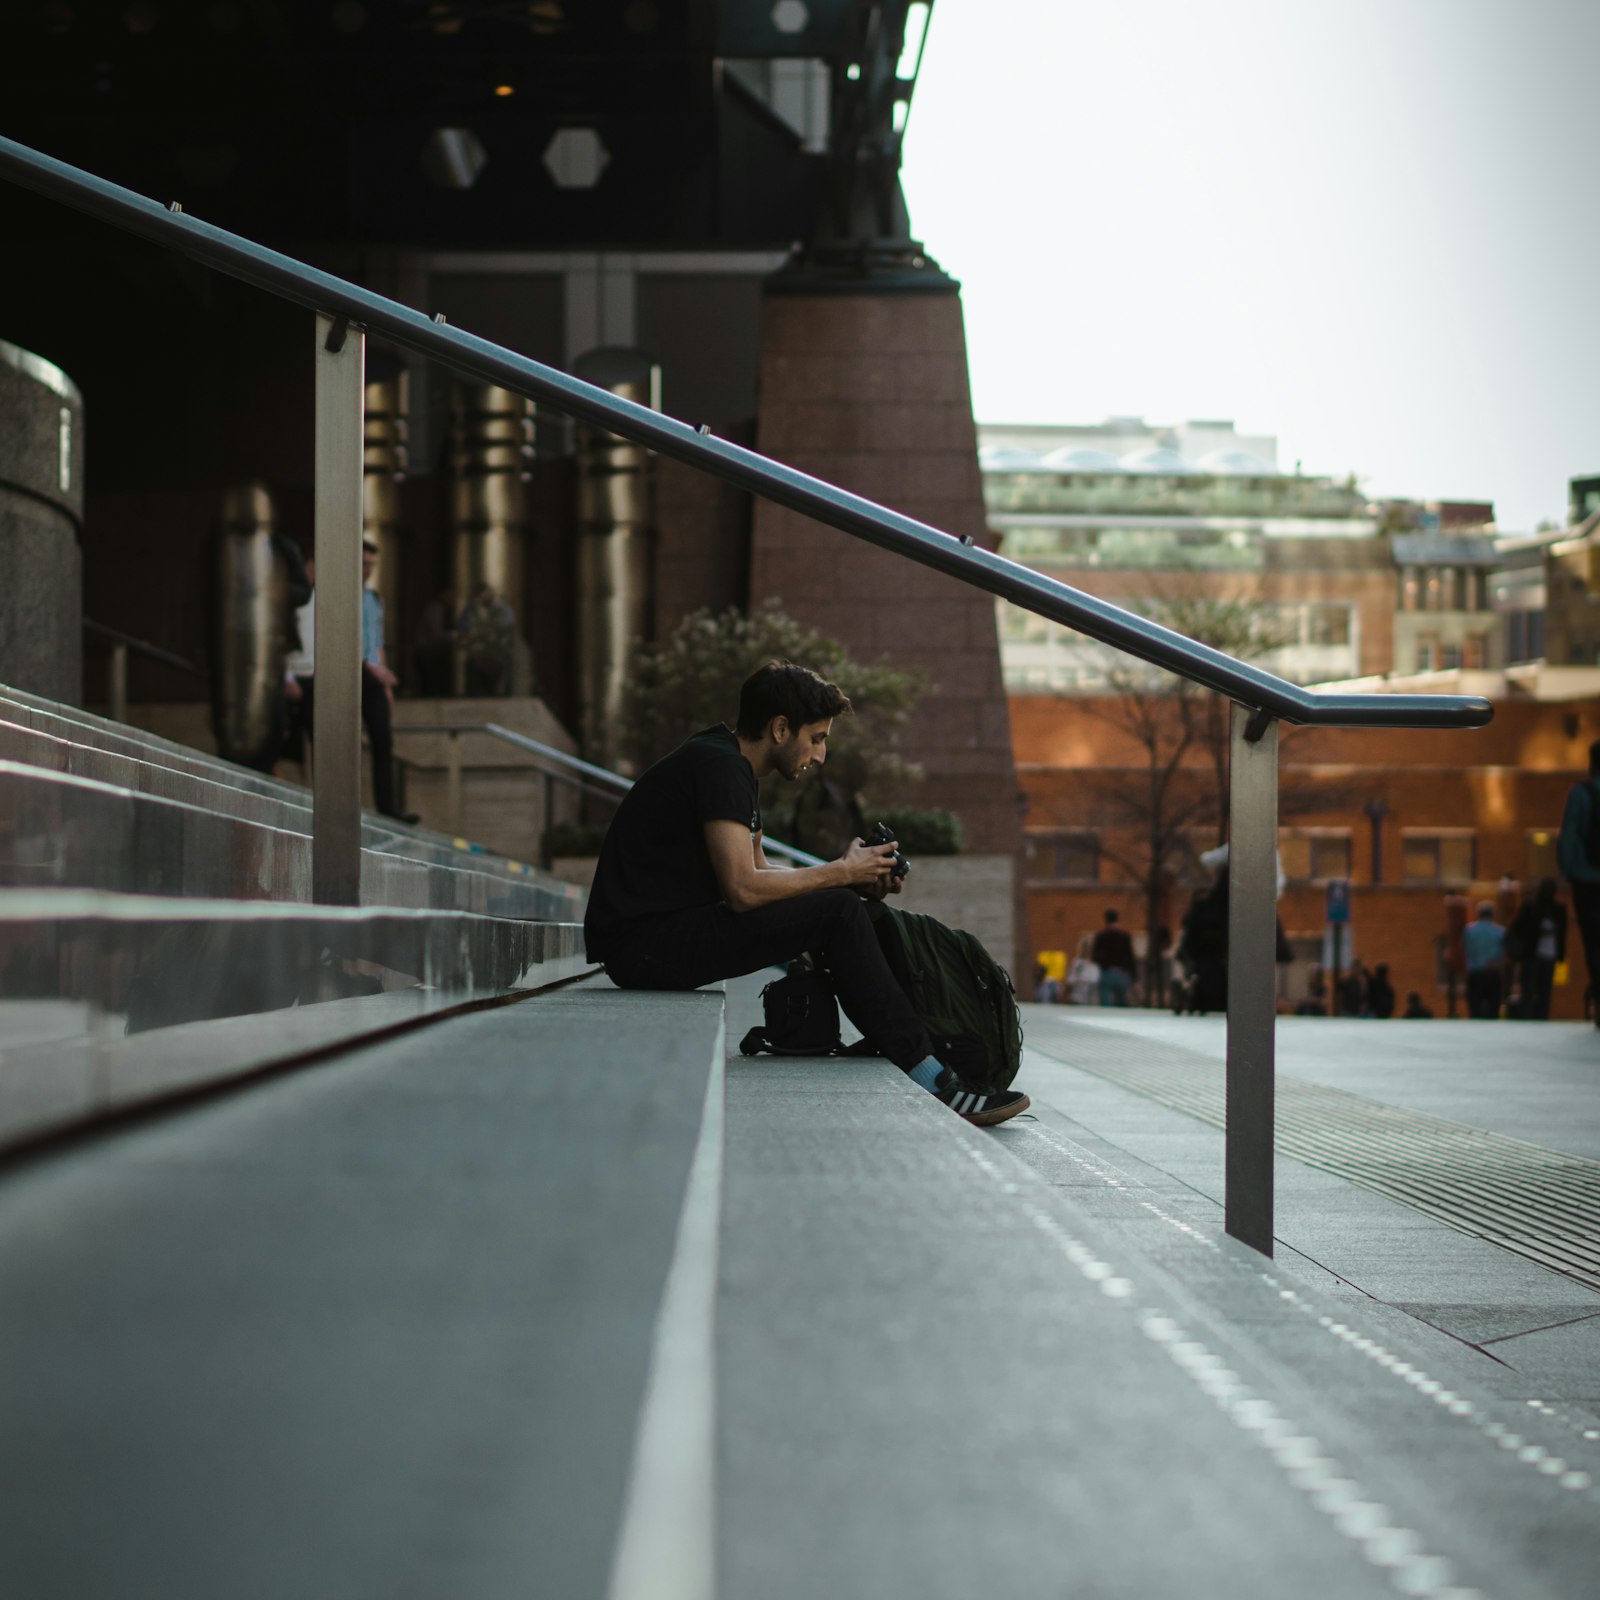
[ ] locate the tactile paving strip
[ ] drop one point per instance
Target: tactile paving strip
(1539, 1203)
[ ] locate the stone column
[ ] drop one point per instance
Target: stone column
(41, 513)
(870, 392)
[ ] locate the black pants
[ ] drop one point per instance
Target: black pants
(1483, 992)
(1538, 977)
(685, 949)
(1586, 907)
(378, 719)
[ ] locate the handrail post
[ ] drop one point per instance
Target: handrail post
(336, 739)
(452, 767)
(117, 683)
(1252, 975)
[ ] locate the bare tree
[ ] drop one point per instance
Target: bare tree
(1183, 733)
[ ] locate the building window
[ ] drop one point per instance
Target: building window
(1314, 855)
(1524, 636)
(1449, 657)
(1330, 624)
(1446, 857)
(1067, 856)
(1427, 653)
(1475, 651)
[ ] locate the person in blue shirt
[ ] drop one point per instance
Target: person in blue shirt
(1485, 942)
(1578, 856)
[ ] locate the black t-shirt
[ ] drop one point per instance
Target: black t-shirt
(1112, 947)
(654, 858)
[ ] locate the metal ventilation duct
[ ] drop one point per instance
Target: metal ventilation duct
(616, 552)
(249, 628)
(491, 443)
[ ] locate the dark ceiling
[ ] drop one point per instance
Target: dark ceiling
(296, 121)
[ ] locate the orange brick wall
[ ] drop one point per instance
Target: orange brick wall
(1502, 782)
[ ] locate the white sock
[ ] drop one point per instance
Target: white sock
(926, 1073)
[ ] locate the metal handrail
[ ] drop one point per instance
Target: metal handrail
(477, 358)
(617, 785)
(142, 647)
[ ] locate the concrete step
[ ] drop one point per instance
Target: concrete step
(386, 1327)
(112, 1002)
(957, 1362)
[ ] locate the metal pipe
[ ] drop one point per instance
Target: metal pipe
(1252, 1000)
(489, 363)
(336, 733)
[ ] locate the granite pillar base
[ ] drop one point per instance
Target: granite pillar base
(870, 392)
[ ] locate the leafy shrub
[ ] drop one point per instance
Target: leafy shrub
(924, 832)
(692, 681)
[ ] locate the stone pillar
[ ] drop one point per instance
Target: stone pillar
(41, 513)
(869, 391)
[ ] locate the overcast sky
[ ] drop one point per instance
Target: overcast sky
(1367, 226)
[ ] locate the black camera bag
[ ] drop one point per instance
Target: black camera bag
(802, 1016)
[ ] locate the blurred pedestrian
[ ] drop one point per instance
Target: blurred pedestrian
(1416, 1009)
(1112, 952)
(1204, 948)
(1315, 1003)
(1353, 991)
(434, 653)
(1535, 942)
(1083, 982)
(1380, 992)
(1486, 944)
(1578, 852)
(1046, 986)
(488, 629)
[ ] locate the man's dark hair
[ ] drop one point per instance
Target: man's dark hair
(1594, 756)
(782, 689)
(1111, 914)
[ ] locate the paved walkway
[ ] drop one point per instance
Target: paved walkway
(1534, 1083)
(1037, 1359)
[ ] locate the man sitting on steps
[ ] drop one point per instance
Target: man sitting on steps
(683, 895)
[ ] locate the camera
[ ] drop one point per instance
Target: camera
(882, 833)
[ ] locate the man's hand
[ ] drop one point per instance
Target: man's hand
(292, 689)
(867, 866)
(381, 673)
(881, 890)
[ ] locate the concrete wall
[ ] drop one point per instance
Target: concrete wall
(41, 512)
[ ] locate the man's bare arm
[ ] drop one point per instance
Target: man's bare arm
(747, 881)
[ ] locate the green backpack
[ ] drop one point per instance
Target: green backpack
(963, 995)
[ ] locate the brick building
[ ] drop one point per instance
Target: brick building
(1405, 816)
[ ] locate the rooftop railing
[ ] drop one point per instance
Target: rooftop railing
(345, 314)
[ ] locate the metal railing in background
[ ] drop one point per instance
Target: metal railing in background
(559, 767)
(122, 644)
(345, 313)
